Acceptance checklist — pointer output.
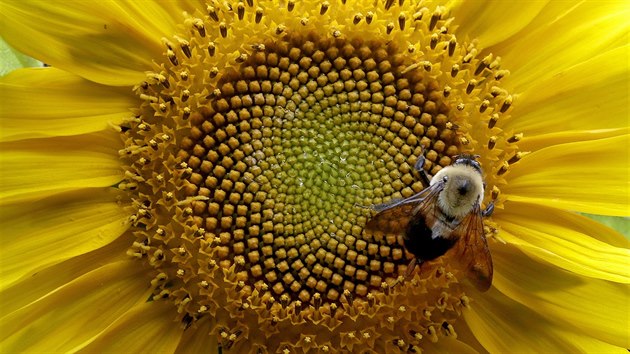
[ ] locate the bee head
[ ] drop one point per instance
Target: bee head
(463, 187)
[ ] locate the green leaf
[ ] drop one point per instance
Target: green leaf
(10, 59)
(622, 225)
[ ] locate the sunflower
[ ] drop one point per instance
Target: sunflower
(185, 176)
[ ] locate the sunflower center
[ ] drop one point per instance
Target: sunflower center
(286, 147)
(250, 155)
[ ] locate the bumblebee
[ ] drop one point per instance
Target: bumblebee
(446, 215)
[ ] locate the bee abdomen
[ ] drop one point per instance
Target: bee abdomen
(419, 241)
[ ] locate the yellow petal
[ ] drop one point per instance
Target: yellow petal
(76, 312)
(560, 37)
(37, 235)
(146, 328)
(503, 325)
(494, 22)
(45, 102)
(107, 42)
(595, 307)
(564, 239)
(590, 95)
(197, 339)
(449, 345)
(540, 141)
(465, 335)
(588, 176)
(46, 280)
(40, 167)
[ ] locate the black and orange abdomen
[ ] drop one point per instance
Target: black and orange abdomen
(418, 241)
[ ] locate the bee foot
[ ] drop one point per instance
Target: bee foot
(488, 210)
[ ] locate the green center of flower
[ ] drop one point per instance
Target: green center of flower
(249, 159)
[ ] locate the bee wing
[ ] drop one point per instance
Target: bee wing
(393, 217)
(471, 250)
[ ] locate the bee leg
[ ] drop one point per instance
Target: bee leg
(488, 210)
(401, 278)
(411, 267)
(419, 166)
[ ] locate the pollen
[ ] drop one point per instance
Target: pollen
(259, 132)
